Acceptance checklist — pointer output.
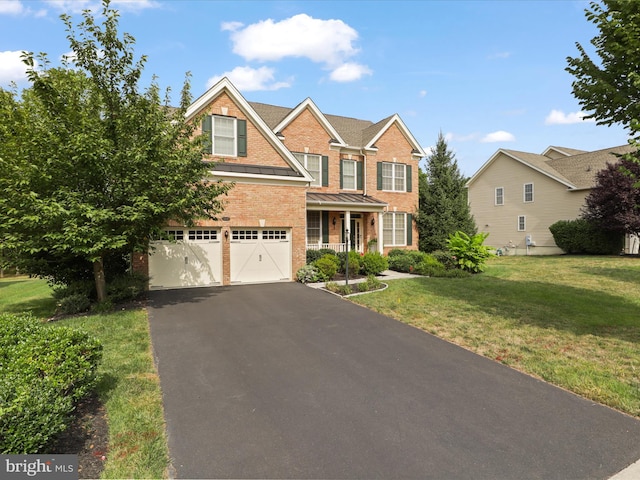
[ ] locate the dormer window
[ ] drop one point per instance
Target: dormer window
(224, 136)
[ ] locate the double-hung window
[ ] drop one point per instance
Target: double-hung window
(500, 196)
(528, 192)
(225, 136)
(394, 177)
(394, 229)
(313, 164)
(349, 174)
(522, 223)
(313, 227)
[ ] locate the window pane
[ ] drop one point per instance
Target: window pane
(349, 174)
(400, 235)
(313, 227)
(224, 136)
(499, 196)
(399, 180)
(387, 231)
(528, 192)
(387, 176)
(313, 167)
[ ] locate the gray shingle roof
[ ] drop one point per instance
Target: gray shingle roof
(578, 170)
(355, 132)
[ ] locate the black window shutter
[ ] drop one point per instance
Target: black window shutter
(206, 135)
(408, 178)
(359, 175)
(341, 182)
(409, 229)
(325, 227)
(325, 171)
(379, 165)
(242, 137)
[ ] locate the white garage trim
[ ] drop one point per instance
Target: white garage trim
(193, 259)
(260, 254)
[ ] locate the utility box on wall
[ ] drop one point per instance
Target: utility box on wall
(529, 241)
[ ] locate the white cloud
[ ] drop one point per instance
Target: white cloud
(11, 7)
(250, 79)
(348, 72)
(499, 136)
(499, 55)
(11, 67)
(558, 117)
(422, 93)
(327, 42)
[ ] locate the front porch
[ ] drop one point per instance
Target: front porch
(338, 221)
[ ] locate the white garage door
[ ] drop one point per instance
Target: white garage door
(193, 260)
(260, 255)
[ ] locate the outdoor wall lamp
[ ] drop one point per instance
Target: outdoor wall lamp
(226, 234)
(334, 221)
(373, 221)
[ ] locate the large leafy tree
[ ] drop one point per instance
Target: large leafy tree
(609, 88)
(443, 207)
(90, 164)
(614, 203)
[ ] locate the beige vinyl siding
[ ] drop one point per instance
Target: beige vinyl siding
(552, 202)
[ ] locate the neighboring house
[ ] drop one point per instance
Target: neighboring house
(302, 180)
(515, 196)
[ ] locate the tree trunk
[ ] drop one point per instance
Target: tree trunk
(101, 284)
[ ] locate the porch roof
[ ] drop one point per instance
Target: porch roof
(344, 201)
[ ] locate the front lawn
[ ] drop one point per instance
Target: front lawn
(128, 387)
(573, 321)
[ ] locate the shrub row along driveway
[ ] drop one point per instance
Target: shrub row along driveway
(284, 381)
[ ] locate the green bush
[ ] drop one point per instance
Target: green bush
(44, 371)
(354, 262)
(312, 256)
(405, 261)
(76, 303)
(373, 263)
(127, 287)
(582, 237)
(469, 251)
(371, 283)
(327, 267)
(307, 274)
(446, 259)
(396, 251)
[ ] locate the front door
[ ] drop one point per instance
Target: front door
(355, 234)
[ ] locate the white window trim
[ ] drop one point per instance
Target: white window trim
(213, 136)
(393, 177)
(524, 223)
(524, 193)
(319, 227)
(303, 157)
(496, 196)
(394, 216)
(355, 175)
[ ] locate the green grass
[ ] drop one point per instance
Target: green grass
(129, 385)
(572, 321)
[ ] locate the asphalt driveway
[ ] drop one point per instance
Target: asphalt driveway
(284, 381)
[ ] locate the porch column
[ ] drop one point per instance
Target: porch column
(347, 226)
(380, 233)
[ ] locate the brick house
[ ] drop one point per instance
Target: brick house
(303, 179)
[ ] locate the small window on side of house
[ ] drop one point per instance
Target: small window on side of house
(528, 192)
(348, 174)
(522, 223)
(500, 196)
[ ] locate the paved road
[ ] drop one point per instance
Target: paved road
(283, 381)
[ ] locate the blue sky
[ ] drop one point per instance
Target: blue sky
(487, 74)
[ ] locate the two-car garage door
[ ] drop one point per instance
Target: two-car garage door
(195, 258)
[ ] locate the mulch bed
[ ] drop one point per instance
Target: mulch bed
(87, 437)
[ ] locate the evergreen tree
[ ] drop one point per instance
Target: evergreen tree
(443, 207)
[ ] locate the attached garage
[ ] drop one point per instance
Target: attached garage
(193, 259)
(260, 255)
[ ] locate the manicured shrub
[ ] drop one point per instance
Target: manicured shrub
(76, 303)
(446, 258)
(354, 262)
(326, 251)
(583, 237)
(469, 251)
(405, 261)
(312, 256)
(327, 267)
(373, 263)
(307, 274)
(44, 370)
(396, 251)
(371, 283)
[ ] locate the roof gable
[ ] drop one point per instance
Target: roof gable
(376, 131)
(224, 86)
(320, 117)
